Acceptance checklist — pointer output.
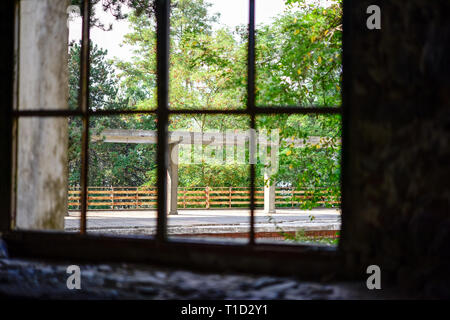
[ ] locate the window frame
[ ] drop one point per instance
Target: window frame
(309, 260)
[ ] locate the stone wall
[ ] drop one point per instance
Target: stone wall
(47, 280)
(397, 94)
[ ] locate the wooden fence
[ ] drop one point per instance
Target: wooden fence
(131, 198)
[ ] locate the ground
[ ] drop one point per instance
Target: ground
(189, 222)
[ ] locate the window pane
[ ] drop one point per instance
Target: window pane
(75, 133)
(122, 175)
(300, 179)
(208, 54)
(123, 56)
(210, 161)
(298, 53)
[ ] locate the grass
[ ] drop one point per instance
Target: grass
(301, 237)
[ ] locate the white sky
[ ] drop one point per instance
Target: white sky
(232, 13)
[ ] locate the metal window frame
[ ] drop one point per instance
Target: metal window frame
(306, 260)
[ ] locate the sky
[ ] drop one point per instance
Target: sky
(232, 13)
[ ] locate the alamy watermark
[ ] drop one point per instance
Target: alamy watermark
(374, 20)
(236, 147)
(374, 280)
(74, 280)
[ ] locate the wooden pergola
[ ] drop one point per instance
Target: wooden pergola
(229, 138)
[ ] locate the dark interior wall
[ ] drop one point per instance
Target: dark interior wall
(396, 97)
(6, 101)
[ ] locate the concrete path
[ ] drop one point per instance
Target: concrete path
(207, 221)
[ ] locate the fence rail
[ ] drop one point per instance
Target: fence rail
(129, 198)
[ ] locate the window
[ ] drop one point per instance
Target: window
(261, 110)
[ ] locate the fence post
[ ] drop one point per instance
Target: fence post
(184, 197)
(137, 197)
(207, 197)
(230, 197)
(112, 198)
(292, 196)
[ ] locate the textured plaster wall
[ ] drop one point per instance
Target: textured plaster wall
(397, 93)
(42, 143)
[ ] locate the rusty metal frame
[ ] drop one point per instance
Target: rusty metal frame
(252, 112)
(261, 257)
(83, 106)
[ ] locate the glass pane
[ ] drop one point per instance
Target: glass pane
(75, 132)
(75, 25)
(122, 175)
(123, 56)
(298, 53)
(208, 54)
(210, 162)
(48, 153)
(300, 180)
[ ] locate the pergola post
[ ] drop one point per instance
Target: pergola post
(172, 179)
(269, 182)
(269, 193)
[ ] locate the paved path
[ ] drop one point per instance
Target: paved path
(207, 221)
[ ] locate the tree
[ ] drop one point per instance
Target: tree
(299, 56)
(109, 164)
(299, 63)
(206, 71)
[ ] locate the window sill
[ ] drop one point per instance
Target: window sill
(308, 261)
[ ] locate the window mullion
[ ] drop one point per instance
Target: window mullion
(83, 100)
(251, 111)
(162, 52)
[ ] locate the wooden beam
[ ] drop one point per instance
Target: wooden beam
(197, 138)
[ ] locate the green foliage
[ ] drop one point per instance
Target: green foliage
(299, 57)
(314, 167)
(299, 63)
(300, 236)
(206, 66)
